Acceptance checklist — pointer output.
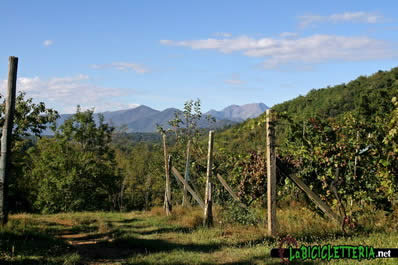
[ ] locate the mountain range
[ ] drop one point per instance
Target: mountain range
(145, 119)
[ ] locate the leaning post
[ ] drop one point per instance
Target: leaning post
(208, 212)
(185, 201)
(271, 175)
(6, 138)
(167, 166)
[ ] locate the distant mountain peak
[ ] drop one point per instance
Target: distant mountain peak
(239, 113)
(144, 119)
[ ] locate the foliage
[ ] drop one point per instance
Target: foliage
(253, 177)
(340, 140)
(75, 170)
(30, 119)
(185, 127)
(142, 170)
(232, 212)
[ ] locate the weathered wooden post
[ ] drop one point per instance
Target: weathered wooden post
(271, 175)
(193, 193)
(185, 201)
(167, 166)
(208, 212)
(6, 138)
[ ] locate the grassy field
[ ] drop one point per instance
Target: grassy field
(152, 238)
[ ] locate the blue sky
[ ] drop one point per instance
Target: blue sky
(115, 54)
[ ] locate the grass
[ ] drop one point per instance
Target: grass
(153, 238)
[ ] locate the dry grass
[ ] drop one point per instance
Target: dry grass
(190, 217)
(157, 211)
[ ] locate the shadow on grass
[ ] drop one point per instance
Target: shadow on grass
(259, 241)
(182, 230)
(22, 245)
(269, 261)
(28, 261)
(131, 246)
(260, 259)
(319, 237)
(127, 221)
(131, 226)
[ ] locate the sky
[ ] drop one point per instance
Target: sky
(112, 55)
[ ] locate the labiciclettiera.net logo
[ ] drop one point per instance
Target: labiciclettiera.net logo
(329, 252)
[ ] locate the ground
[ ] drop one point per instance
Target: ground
(152, 238)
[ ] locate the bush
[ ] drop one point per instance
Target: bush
(234, 213)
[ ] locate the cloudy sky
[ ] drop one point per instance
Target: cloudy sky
(117, 54)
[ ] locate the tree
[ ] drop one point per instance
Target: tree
(30, 119)
(76, 170)
(185, 126)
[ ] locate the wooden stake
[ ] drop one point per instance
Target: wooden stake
(208, 220)
(231, 192)
(185, 201)
(194, 195)
(271, 176)
(315, 198)
(7, 137)
(167, 163)
(208, 212)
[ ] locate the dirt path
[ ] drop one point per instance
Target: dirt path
(94, 247)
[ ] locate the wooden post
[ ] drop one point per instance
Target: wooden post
(315, 198)
(231, 192)
(271, 176)
(167, 162)
(6, 138)
(356, 156)
(208, 219)
(208, 212)
(185, 201)
(194, 195)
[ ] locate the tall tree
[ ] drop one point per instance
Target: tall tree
(76, 170)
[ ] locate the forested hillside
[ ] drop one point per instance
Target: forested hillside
(371, 96)
(342, 140)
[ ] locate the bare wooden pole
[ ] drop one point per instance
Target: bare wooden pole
(193, 193)
(208, 212)
(271, 176)
(185, 201)
(315, 198)
(167, 162)
(6, 138)
(231, 192)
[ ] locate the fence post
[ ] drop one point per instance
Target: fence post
(185, 201)
(208, 212)
(6, 138)
(167, 162)
(271, 175)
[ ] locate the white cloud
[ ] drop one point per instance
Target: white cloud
(123, 66)
(235, 80)
(223, 45)
(358, 17)
(105, 106)
(311, 49)
(65, 93)
(223, 34)
(48, 43)
(288, 34)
